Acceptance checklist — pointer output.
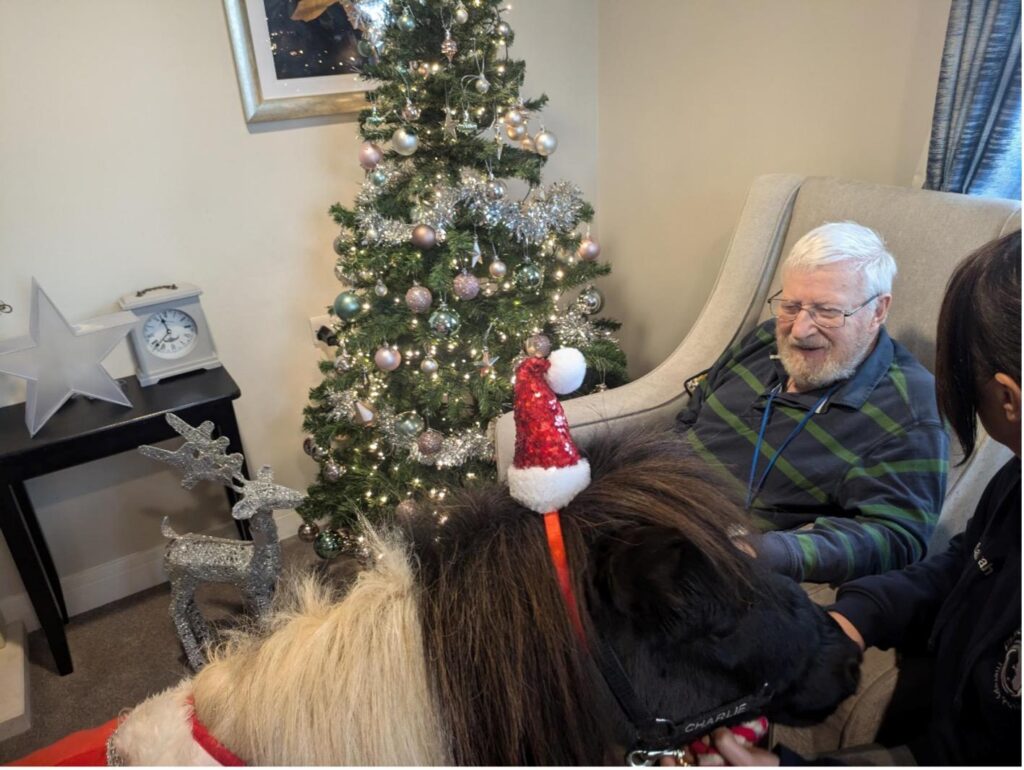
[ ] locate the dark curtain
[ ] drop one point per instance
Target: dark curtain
(976, 143)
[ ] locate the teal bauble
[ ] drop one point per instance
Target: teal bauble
(347, 305)
(409, 425)
(328, 544)
(444, 321)
(406, 22)
(529, 277)
(364, 48)
(378, 177)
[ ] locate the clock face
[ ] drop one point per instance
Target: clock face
(170, 334)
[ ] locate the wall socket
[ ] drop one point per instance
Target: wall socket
(316, 323)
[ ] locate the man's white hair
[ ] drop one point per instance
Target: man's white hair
(849, 242)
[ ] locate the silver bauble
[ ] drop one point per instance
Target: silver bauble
(545, 143)
(320, 454)
(341, 244)
(515, 131)
(380, 289)
(424, 237)
(309, 445)
(429, 366)
(498, 269)
(418, 299)
(343, 361)
(514, 117)
(440, 234)
(408, 424)
(410, 111)
(308, 531)
(387, 359)
(430, 442)
(488, 288)
(496, 189)
(378, 177)
(332, 471)
(444, 321)
(529, 277)
(466, 286)
(590, 301)
(406, 22)
(404, 141)
(370, 155)
(461, 15)
(537, 345)
(503, 29)
(482, 85)
(589, 249)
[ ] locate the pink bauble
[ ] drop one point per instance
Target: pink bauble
(387, 359)
(589, 249)
(370, 155)
(466, 286)
(424, 237)
(418, 299)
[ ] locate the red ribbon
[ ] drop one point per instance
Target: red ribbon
(556, 547)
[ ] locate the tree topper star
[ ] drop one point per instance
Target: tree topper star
(58, 359)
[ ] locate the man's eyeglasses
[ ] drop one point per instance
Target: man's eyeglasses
(823, 316)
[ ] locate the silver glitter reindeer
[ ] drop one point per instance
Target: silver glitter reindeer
(191, 560)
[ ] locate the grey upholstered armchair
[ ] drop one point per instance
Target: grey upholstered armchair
(928, 233)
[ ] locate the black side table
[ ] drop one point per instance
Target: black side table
(84, 430)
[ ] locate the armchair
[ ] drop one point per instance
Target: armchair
(928, 233)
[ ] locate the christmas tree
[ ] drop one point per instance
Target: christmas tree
(456, 263)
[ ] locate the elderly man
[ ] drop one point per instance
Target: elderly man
(823, 423)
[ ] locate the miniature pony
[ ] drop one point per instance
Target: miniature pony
(454, 644)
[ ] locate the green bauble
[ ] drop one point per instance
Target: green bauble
(409, 425)
(328, 544)
(364, 48)
(529, 277)
(347, 305)
(444, 321)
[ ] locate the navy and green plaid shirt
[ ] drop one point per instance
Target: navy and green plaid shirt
(866, 476)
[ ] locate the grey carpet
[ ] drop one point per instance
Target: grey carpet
(123, 652)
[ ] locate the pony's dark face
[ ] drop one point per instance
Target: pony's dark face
(691, 642)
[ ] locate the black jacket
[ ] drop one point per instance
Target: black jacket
(963, 608)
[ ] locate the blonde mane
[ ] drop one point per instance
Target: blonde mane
(330, 682)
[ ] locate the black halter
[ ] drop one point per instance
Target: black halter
(656, 737)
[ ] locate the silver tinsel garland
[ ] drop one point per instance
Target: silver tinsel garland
(552, 209)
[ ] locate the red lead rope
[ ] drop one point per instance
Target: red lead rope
(556, 546)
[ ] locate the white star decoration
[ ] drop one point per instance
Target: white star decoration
(58, 359)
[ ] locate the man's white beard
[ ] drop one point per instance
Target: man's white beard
(807, 377)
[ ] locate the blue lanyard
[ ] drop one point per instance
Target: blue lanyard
(754, 491)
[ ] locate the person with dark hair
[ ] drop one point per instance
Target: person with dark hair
(960, 607)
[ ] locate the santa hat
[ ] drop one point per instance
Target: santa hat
(547, 472)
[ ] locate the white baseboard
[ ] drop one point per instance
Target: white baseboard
(117, 579)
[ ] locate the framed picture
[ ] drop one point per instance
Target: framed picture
(295, 58)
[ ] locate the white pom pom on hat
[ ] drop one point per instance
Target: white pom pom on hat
(567, 370)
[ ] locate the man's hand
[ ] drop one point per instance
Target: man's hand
(849, 629)
(736, 754)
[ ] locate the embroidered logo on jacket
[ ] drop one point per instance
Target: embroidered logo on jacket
(983, 564)
(1007, 678)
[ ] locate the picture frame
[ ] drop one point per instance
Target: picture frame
(268, 97)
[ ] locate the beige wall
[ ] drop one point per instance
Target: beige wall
(125, 162)
(698, 97)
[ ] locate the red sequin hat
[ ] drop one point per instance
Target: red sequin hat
(547, 471)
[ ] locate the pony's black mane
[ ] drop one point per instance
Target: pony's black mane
(496, 625)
